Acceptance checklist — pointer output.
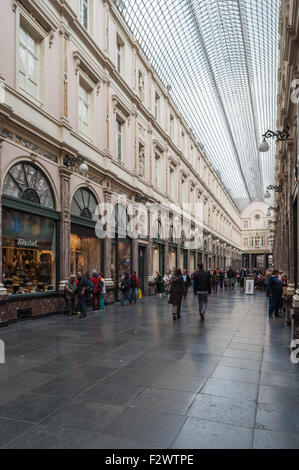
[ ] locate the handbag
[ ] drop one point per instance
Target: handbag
(139, 295)
(170, 300)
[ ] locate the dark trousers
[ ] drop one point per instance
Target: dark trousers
(71, 305)
(186, 291)
(125, 295)
(221, 283)
(96, 301)
(215, 285)
(274, 305)
(83, 305)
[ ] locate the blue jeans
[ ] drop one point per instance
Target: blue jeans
(274, 305)
(133, 294)
(125, 295)
(83, 305)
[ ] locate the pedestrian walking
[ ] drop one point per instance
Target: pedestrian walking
(97, 289)
(82, 293)
(177, 291)
(166, 280)
(230, 277)
(158, 280)
(202, 287)
(103, 292)
(274, 293)
(70, 295)
(125, 289)
(221, 279)
(134, 287)
(187, 282)
(215, 280)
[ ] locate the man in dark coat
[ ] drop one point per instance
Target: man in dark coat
(177, 291)
(274, 292)
(202, 287)
(82, 293)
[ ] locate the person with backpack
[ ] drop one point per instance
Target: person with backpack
(97, 289)
(82, 292)
(134, 286)
(202, 287)
(125, 288)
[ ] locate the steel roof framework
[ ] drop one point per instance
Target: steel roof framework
(221, 59)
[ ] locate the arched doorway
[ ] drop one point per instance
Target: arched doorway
(121, 246)
(86, 247)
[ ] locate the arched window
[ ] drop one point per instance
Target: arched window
(84, 204)
(28, 182)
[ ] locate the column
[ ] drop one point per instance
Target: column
(166, 248)
(135, 254)
(3, 291)
(107, 239)
(65, 226)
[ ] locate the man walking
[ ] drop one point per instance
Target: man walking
(202, 287)
(274, 292)
(230, 276)
(82, 293)
(70, 296)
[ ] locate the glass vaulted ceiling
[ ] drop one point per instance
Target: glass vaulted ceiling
(220, 58)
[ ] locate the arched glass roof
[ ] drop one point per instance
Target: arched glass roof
(220, 58)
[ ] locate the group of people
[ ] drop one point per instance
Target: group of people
(129, 286)
(83, 287)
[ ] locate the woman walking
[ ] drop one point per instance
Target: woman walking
(177, 292)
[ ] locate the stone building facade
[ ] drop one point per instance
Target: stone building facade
(285, 227)
(255, 236)
(74, 82)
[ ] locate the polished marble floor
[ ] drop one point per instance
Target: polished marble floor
(133, 378)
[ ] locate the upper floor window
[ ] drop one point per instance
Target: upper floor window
(157, 171)
(119, 139)
(84, 109)
(245, 223)
(84, 13)
(118, 56)
(157, 106)
(183, 142)
(171, 182)
(171, 126)
(29, 62)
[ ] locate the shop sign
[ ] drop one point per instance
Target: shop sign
(27, 243)
(249, 286)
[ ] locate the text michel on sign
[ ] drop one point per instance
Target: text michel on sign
(27, 243)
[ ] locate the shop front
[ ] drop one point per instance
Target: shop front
(192, 265)
(121, 247)
(30, 244)
(158, 257)
(172, 256)
(86, 247)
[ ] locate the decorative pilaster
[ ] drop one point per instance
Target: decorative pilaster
(65, 227)
(3, 291)
(107, 239)
(166, 255)
(135, 255)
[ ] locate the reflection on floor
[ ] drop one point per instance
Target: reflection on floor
(133, 378)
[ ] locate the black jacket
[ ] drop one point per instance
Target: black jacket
(202, 281)
(275, 287)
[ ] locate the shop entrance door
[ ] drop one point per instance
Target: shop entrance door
(185, 259)
(141, 266)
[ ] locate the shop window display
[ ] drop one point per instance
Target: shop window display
(29, 257)
(85, 252)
